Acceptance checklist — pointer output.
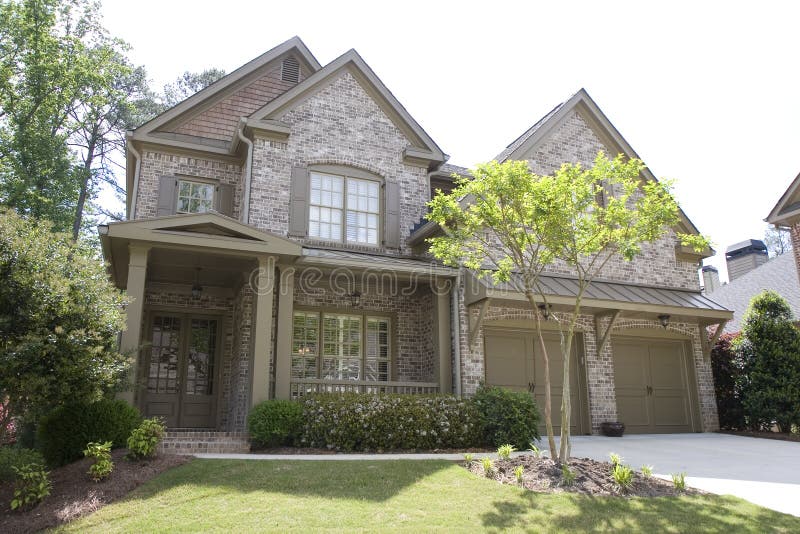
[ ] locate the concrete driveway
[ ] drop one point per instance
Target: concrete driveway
(763, 471)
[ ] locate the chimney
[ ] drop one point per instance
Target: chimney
(710, 279)
(744, 257)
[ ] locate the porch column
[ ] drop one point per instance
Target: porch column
(442, 331)
(262, 329)
(283, 356)
(132, 335)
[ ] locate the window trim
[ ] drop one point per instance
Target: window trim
(196, 180)
(344, 173)
(364, 315)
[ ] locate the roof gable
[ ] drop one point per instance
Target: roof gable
(589, 111)
(787, 211)
(422, 145)
(225, 86)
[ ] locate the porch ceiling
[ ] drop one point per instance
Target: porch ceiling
(181, 267)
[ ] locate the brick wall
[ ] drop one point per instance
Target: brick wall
(795, 234)
(339, 125)
(574, 142)
(164, 163)
(236, 405)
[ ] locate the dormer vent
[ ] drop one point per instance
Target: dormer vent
(290, 70)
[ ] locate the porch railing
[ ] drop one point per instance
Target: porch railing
(306, 386)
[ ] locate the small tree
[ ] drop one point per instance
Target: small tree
(59, 318)
(770, 348)
(778, 240)
(514, 223)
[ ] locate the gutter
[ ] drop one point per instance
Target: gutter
(248, 173)
(136, 171)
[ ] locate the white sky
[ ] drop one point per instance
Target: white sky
(705, 92)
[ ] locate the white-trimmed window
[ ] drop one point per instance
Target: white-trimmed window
(194, 197)
(344, 209)
(341, 346)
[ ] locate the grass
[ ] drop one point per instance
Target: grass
(353, 496)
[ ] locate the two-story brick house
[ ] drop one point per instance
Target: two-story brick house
(276, 246)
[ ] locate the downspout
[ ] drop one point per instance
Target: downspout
(137, 168)
(248, 172)
(457, 334)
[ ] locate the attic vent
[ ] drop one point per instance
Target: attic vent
(290, 70)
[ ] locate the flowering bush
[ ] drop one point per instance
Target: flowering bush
(364, 422)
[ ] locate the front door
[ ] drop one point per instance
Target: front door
(181, 370)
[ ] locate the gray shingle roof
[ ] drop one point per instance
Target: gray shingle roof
(778, 274)
(502, 156)
(449, 169)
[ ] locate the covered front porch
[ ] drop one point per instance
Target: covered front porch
(223, 316)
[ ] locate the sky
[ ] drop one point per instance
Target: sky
(705, 92)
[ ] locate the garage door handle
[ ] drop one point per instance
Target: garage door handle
(649, 390)
(531, 387)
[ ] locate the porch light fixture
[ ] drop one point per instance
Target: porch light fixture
(197, 289)
(355, 298)
(664, 319)
(545, 310)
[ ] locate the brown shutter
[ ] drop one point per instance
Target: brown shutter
(167, 190)
(298, 202)
(224, 199)
(391, 229)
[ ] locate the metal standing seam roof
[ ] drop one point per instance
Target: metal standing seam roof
(388, 262)
(621, 292)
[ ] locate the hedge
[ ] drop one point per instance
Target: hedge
(507, 416)
(366, 422)
(275, 422)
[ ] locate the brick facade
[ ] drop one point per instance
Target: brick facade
(341, 124)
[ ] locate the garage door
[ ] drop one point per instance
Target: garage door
(514, 361)
(652, 385)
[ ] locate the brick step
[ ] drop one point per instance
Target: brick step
(189, 442)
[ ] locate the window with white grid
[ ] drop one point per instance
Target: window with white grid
(305, 344)
(194, 197)
(341, 347)
(363, 209)
(377, 354)
(325, 207)
(344, 209)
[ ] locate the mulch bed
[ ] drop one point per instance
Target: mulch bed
(760, 434)
(591, 478)
(309, 450)
(74, 494)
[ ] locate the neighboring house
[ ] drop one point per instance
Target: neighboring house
(778, 274)
(786, 214)
(276, 246)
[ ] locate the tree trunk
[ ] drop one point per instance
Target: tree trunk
(566, 401)
(87, 175)
(548, 408)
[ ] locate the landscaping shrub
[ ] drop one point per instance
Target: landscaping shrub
(31, 487)
(64, 432)
(143, 441)
(770, 350)
(276, 422)
(8, 427)
(11, 457)
(727, 367)
(353, 421)
(102, 466)
(507, 416)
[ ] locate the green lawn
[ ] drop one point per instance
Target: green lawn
(418, 496)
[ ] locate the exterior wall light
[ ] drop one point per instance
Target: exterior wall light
(197, 289)
(664, 319)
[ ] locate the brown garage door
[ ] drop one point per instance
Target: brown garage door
(652, 389)
(514, 360)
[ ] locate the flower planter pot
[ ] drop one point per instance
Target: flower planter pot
(612, 430)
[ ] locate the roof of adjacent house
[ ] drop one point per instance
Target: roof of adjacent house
(778, 274)
(450, 169)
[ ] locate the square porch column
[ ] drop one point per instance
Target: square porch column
(131, 336)
(283, 356)
(264, 282)
(442, 331)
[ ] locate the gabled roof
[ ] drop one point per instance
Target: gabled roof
(423, 147)
(597, 120)
(787, 210)
(215, 91)
(778, 274)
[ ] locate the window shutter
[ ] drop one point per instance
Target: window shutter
(167, 188)
(391, 230)
(224, 200)
(298, 203)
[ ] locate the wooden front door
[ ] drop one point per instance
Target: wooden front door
(181, 370)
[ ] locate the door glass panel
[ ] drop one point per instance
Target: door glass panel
(162, 376)
(200, 359)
